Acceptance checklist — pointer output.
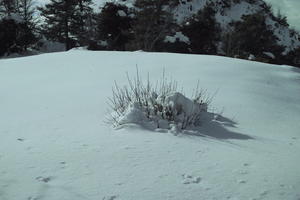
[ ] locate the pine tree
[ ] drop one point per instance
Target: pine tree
(82, 21)
(57, 16)
(8, 7)
(252, 36)
(26, 11)
(203, 31)
(154, 21)
(65, 21)
(16, 26)
(15, 36)
(114, 26)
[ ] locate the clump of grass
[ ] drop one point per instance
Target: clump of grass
(161, 104)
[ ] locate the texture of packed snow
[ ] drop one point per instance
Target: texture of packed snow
(133, 114)
(55, 146)
(178, 100)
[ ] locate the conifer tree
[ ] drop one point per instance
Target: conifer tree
(203, 31)
(22, 9)
(57, 16)
(26, 11)
(16, 26)
(65, 21)
(15, 36)
(154, 20)
(252, 36)
(82, 21)
(114, 26)
(8, 7)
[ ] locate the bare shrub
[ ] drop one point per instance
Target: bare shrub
(160, 104)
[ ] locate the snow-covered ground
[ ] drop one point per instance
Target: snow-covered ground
(55, 146)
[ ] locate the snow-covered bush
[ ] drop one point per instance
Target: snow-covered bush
(160, 106)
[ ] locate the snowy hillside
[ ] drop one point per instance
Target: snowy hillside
(55, 146)
(228, 11)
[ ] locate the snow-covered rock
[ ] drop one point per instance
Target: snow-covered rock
(181, 104)
(269, 54)
(251, 57)
(179, 36)
(133, 114)
(121, 13)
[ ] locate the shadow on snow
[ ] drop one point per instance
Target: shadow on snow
(216, 127)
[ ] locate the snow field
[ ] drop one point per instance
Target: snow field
(55, 145)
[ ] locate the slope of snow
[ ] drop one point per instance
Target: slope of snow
(55, 145)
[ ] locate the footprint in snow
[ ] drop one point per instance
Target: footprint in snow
(246, 164)
(43, 179)
(188, 179)
(32, 198)
(110, 197)
(63, 164)
(264, 193)
(243, 172)
(242, 181)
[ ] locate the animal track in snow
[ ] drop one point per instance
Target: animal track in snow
(246, 164)
(110, 197)
(263, 193)
(242, 181)
(188, 179)
(32, 198)
(43, 179)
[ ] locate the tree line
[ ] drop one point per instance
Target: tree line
(150, 26)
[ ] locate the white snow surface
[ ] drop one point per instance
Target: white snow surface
(55, 146)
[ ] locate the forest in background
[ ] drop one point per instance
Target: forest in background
(149, 25)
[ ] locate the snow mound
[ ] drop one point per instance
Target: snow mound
(181, 105)
(133, 114)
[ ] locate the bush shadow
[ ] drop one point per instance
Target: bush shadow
(216, 126)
